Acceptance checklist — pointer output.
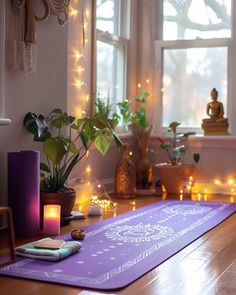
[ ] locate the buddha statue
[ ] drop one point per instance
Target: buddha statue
(216, 124)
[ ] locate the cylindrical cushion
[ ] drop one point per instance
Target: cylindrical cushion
(23, 191)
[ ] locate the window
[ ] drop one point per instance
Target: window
(194, 53)
(111, 49)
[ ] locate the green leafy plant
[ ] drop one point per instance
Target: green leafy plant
(138, 117)
(174, 151)
(104, 112)
(66, 141)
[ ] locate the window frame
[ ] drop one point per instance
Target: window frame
(161, 45)
(122, 41)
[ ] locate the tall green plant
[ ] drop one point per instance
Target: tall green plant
(63, 150)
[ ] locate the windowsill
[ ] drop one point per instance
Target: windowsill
(5, 122)
(209, 141)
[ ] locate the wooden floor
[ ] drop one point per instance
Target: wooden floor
(207, 266)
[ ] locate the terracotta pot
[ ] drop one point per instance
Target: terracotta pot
(171, 176)
(65, 199)
(102, 125)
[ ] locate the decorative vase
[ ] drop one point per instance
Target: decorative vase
(66, 199)
(172, 176)
(125, 181)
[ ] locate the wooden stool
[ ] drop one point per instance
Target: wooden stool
(11, 237)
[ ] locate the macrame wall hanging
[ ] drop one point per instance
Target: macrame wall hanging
(23, 36)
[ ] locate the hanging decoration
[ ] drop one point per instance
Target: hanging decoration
(23, 33)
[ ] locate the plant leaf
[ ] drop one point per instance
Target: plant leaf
(44, 167)
(101, 143)
(69, 168)
(37, 126)
(54, 149)
(165, 145)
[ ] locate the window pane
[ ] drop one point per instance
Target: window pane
(108, 16)
(188, 77)
(110, 72)
(192, 19)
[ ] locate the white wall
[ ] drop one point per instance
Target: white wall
(38, 93)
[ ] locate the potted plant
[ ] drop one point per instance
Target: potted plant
(105, 113)
(66, 141)
(175, 171)
(141, 129)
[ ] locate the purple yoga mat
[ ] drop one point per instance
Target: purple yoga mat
(119, 250)
(23, 191)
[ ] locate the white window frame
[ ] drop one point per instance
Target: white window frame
(229, 43)
(122, 41)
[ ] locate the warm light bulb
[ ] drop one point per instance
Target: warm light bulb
(217, 181)
(139, 85)
(181, 197)
(131, 153)
(147, 81)
(230, 181)
(77, 55)
(87, 97)
(78, 84)
(73, 12)
(79, 69)
(88, 169)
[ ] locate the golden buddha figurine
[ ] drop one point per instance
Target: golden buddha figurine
(216, 124)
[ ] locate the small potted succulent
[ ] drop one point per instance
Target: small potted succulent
(175, 170)
(66, 141)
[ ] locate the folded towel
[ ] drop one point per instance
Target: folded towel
(29, 251)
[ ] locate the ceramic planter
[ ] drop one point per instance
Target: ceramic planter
(172, 176)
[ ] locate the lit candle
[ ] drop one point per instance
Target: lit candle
(51, 220)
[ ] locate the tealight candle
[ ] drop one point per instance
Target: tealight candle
(51, 220)
(95, 210)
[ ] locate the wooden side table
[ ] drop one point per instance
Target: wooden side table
(11, 236)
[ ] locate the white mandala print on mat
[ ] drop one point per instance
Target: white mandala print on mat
(185, 210)
(139, 233)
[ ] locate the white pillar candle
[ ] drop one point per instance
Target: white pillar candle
(51, 220)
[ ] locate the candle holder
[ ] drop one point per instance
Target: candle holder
(51, 220)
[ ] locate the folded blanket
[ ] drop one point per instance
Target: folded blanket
(29, 251)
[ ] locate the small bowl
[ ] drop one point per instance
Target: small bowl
(78, 234)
